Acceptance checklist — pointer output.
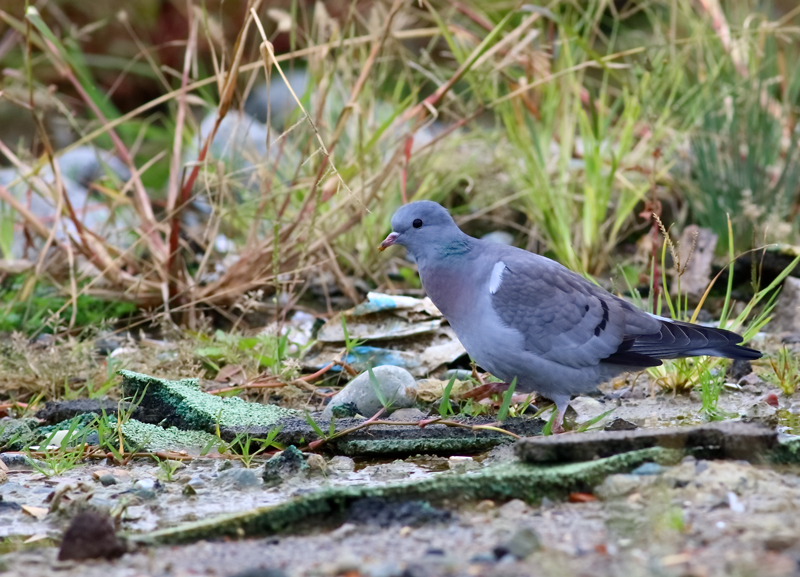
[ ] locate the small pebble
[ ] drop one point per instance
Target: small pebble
(107, 480)
(648, 469)
(521, 544)
(237, 479)
(341, 464)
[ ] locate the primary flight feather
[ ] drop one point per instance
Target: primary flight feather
(524, 316)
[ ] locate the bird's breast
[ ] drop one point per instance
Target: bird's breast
(448, 289)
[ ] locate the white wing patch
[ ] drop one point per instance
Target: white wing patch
(497, 276)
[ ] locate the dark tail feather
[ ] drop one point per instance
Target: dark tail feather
(676, 340)
(735, 352)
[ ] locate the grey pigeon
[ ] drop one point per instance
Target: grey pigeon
(524, 316)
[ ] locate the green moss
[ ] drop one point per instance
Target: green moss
(502, 482)
(18, 434)
(181, 404)
(446, 445)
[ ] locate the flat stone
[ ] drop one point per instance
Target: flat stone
(728, 440)
(55, 412)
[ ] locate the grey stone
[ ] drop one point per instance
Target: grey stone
(738, 370)
(386, 569)
(621, 485)
(237, 479)
(786, 318)
(408, 415)
(459, 374)
(648, 469)
(341, 464)
(107, 480)
(696, 269)
(146, 484)
(620, 425)
(283, 466)
(17, 461)
(761, 413)
(521, 544)
(396, 385)
(196, 481)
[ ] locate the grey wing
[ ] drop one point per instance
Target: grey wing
(565, 318)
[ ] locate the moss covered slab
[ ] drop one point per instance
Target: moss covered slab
(394, 440)
(501, 482)
(183, 405)
(727, 440)
(147, 437)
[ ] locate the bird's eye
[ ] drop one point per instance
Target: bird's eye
(417, 223)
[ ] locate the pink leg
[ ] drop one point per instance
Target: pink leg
(561, 408)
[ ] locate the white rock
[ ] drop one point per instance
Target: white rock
(396, 386)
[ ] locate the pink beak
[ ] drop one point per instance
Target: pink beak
(388, 241)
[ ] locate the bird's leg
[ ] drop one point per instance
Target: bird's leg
(561, 409)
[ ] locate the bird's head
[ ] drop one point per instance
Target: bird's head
(421, 226)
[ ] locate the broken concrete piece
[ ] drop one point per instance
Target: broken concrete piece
(786, 318)
(394, 385)
(501, 482)
(728, 440)
(696, 254)
(181, 404)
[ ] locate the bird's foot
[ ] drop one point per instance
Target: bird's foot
(557, 428)
(485, 391)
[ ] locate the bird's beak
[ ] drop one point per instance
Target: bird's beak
(389, 241)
